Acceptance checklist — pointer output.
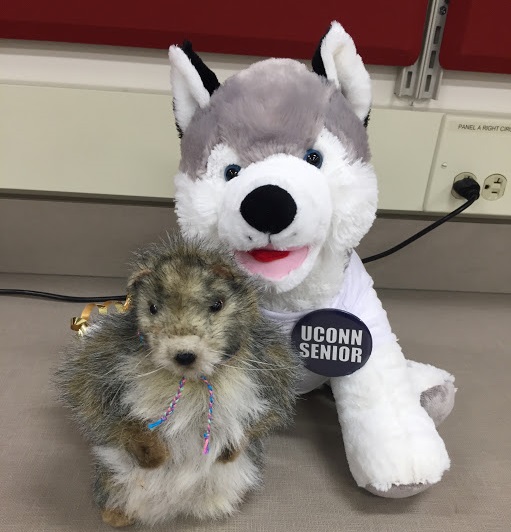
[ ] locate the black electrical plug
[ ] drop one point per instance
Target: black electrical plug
(467, 188)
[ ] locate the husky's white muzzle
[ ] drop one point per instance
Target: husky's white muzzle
(276, 215)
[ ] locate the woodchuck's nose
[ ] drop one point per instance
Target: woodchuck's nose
(185, 359)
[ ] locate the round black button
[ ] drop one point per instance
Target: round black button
(331, 342)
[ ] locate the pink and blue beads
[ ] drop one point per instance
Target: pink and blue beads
(170, 411)
(207, 434)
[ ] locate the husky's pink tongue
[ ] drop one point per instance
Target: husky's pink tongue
(272, 263)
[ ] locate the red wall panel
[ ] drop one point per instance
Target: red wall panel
(477, 36)
(385, 32)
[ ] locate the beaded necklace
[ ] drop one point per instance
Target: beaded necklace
(179, 393)
(170, 411)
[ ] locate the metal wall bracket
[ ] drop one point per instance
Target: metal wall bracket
(421, 80)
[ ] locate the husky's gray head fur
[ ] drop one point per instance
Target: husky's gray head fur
(275, 165)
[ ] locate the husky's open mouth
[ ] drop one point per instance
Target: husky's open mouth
(272, 263)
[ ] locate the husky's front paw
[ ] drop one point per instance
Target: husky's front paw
(399, 491)
(392, 462)
(396, 471)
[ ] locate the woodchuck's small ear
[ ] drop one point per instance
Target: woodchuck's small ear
(136, 278)
(224, 271)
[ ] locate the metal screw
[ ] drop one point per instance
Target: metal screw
(443, 10)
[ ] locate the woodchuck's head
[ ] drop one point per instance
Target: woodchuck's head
(193, 305)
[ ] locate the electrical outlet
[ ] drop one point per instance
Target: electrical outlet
(477, 146)
(494, 187)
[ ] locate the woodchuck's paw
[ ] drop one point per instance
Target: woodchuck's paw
(116, 518)
(148, 450)
(228, 455)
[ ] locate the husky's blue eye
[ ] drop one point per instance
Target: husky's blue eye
(313, 157)
(231, 171)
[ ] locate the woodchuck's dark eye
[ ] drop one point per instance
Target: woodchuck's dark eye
(217, 306)
(313, 157)
(231, 171)
(153, 309)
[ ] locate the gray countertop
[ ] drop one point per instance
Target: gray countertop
(46, 466)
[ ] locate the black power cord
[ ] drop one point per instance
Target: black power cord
(58, 297)
(467, 188)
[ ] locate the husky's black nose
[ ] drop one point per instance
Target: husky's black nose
(269, 209)
(185, 359)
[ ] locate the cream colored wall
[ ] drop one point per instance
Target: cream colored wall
(66, 140)
(97, 121)
(134, 69)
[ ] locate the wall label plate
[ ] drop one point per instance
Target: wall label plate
(481, 127)
(473, 145)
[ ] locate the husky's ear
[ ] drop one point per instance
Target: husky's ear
(192, 83)
(336, 58)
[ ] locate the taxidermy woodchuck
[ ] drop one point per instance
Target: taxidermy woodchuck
(193, 332)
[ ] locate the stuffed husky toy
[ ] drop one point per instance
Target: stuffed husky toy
(275, 165)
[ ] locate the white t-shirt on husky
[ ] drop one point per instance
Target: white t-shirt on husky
(356, 296)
